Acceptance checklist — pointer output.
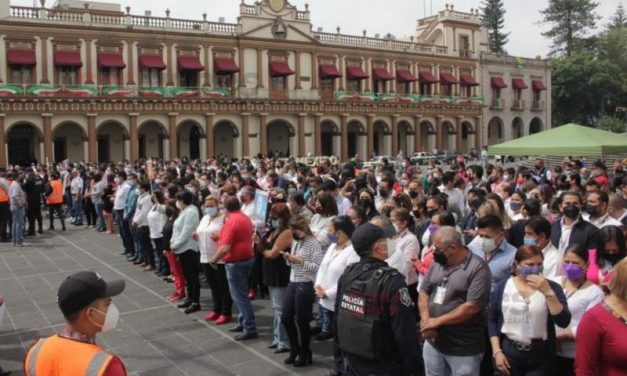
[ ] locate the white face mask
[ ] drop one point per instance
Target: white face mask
(488, 245)
(111, 318)
(391, 244)
(178, 206)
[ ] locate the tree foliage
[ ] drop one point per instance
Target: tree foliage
(619, 19)
(569, 21)
(612, 124)
(493, 19)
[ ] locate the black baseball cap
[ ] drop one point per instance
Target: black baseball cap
(81, 289)
(365, 236)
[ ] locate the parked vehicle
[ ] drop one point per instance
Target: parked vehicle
(421, 157)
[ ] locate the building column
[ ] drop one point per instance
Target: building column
(314, 71)
(263, 132)
(478, 133)
(318, 133)
(240, 62)
(259, 68)
(414, 85)
(171, 68)
(3, 156)
(436, 73)
(438, 131)
(458, 133)
(369, 73)
(394, 135)
(370, 131)
(174, 150)
(132, 117)
(344, 138)
(343, 71)
(301, 134)
(88, 63)
(92, 138)
(130, 64)
(209, 131)
(208, 67)
(417, 133)
(47, 119)
(393, 88)
(44, 64)
(298, 72)
(245, 136)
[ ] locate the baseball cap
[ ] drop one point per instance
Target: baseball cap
(365, 236)
(81, 289)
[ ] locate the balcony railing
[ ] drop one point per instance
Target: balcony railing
(383, 43)
(111, 91)
(537, 106)
(346, 96)
(518, 105)
(496, 104)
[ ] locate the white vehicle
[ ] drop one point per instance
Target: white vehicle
(378, 161)
(421, 157)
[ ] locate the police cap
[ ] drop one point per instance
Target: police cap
(365, 236)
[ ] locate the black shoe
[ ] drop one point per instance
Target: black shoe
(191, 309)
(236, 329)
(50, 228)
(333, 373)
(292, 358)
(324, 336)
(316, 330)
(246, 336)
(304, 359)
(281, 351)
(185, 304)
(63, 228)
(273, 346)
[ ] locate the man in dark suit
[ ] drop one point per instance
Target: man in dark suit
(572, 228)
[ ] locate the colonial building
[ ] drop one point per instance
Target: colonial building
(90, 81)
(517, 95)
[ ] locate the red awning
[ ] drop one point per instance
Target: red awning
(518, 83)
(426, 77)
(403, 75)
(280, 69)
(190, 63)
(538, 85)
(381, 74)
(111, 60)
(151, 61)
(448, 79)
(497, 83)
(355, 73)
(467, 80)
(21, 57)
(68, 58)
(225, 65)
(329, 71)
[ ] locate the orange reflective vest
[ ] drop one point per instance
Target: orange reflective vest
(56, 196)
(4, 196)
(57, 355)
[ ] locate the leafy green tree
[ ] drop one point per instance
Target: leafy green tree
(619, 19)
(612, 124)
(569, 20)
(493, 19)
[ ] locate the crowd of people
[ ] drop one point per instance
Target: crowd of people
(463, 270)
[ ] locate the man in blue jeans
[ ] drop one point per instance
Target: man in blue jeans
(235, 248)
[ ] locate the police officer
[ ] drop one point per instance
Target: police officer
(376, 331)
(34, 188)
(85, 301)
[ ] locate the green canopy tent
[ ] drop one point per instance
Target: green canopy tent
(569, 139)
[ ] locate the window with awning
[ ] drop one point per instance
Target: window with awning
(381, 74)
(426, 77)
(448, 79)
(223, 65)
(518, 84)
(110, 60)
(21, 57)
(67, 58)
(538, 85)
(405, 76)
(328, 71)
(151, 62)
(356, 73)
(190, 63)
(497, 83)
(467, 80)
(280, 69)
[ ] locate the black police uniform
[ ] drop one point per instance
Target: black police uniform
(375, 324)
(34, 188)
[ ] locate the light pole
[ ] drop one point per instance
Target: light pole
(603, 103)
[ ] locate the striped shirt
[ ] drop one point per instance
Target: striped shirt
(310, 251)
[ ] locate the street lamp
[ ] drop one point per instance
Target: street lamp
(603, 103)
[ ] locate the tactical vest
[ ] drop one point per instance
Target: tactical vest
(362, 320)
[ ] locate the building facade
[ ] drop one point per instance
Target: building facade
(88, 81)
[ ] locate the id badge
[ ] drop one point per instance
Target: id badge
(439, 295)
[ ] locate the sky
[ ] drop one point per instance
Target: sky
(376, 16)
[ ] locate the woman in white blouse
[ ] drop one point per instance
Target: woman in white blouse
(207, 234)
(582, 295)
(326, 210)
(407, 249)
(339, 255)
(156, 220)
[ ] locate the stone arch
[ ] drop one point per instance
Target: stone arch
(24, 141)
(403, 133)
(113, 141)
(381, 132)
(536, 125)
(448, 136)
(518, 128)
(189, 134)
(329, 136)
(225, 135)
(281, 134)
(68, 141)
(495, 130)
(427, 132)
(151, 135)
(356, 132)
(467, 137)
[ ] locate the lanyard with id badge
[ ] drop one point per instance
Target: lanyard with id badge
(440, 291)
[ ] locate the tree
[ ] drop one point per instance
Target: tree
(612, 124)
(619, 19)
(569, 20)
(493, 18)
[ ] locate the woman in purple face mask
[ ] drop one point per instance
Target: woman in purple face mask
(582, 295)
(524, 310)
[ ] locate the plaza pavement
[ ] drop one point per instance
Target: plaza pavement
(153, 337)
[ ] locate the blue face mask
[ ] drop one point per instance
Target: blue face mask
(530, 241)
(275, 223)
(211, 211)
(526, 271)
(332, 238)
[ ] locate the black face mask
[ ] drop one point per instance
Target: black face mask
(413, 194)
(431, 213)
(571, 211)
(365, 202)
(383, 193)
(593, 210)
(296, 237)
(612, 258)
(440, 257)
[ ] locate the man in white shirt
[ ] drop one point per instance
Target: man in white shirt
(616, 208)
(119, 202)
(140, 222)
(538, 233)
(596, 210)
(456, 203)
(76, 189)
